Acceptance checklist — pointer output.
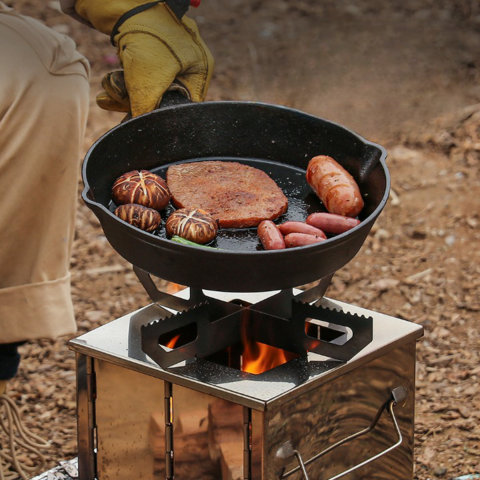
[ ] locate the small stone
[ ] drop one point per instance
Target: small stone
(439, 471)
(472, 222)
(385, 284)
(382, 234)
(94, 315)
(450, 240)
(416, 233)
(394, 198)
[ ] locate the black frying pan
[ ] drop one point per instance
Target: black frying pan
(275, 139)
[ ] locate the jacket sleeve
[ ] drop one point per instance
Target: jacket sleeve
(68, 7)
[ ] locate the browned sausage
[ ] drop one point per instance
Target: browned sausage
(301, 239)
(334, 186)
(270, 236)
(300, 227)
(332, 223)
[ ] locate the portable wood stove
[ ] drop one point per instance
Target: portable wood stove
(167, 391)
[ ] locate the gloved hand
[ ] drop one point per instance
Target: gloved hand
(155, 49)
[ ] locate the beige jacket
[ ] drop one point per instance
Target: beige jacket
(42, 125)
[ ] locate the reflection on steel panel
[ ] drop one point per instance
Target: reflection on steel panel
(208, 433)
(125, 404)
(340, 408)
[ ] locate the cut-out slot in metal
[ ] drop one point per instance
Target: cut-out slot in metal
(178, 337)
(327, 332)
(292, 328)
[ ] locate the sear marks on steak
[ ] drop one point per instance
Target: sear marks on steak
(236, 195)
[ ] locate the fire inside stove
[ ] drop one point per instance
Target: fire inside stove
(247, 356)
(252, 356)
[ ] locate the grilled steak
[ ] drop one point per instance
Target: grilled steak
(236, 195)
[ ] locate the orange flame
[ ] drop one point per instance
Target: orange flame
(258, 357)
(171, 343)
(173, 288)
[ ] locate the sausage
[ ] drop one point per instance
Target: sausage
(300, 227)
(331, 223)
(270, 236)
(335, 187)
(301, 239)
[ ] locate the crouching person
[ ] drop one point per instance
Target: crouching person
(44, 97)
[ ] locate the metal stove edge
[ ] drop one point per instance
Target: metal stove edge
(114, 342)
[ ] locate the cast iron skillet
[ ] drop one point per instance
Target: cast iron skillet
(275, 139)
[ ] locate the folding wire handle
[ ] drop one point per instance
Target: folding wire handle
(399, 394)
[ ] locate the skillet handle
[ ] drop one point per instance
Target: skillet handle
(172, 98)
(372, 156)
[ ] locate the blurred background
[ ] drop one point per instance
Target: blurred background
(403, 73)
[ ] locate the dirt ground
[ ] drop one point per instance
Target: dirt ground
(403, 73)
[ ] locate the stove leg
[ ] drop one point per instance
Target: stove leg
(86, 425)
(280, 304)
(169, 454)
(165, 299)
(317, 292)
(247, 443)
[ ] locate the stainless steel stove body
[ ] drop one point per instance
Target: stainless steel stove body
(313, 417)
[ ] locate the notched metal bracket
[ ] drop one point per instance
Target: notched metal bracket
(216, 326)
(212, 325)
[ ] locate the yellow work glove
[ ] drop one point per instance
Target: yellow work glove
(155, 49)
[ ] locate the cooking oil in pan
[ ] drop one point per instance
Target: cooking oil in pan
(301, 203)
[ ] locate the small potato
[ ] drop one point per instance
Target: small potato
(192, 224)
(141, 187)
(139, 216)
